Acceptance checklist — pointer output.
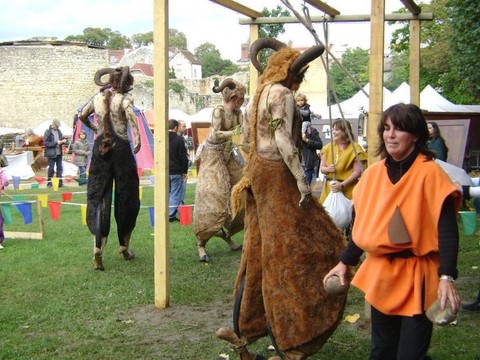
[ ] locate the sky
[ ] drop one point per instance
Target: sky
(200, 20)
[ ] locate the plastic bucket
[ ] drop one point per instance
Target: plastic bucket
(185, 212)
(469, 221)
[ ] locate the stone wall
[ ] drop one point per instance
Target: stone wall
(43, 82)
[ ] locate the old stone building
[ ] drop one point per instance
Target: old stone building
(42, 80)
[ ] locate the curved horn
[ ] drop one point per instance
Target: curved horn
(124, 78)
(263, 43)
(306, 57)
(98, 76)
(225, 83)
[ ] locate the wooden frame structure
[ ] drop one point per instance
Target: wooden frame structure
(30, 235)
(377, 18)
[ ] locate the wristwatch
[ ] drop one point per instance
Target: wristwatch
(447, 278)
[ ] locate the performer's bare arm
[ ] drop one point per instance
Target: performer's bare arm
(217, 135)
(282, 109)
(85, 113)
(132, 120)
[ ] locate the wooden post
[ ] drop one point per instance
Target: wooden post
(253, 72)
(415, 62)
(160, 98)
(377, 39)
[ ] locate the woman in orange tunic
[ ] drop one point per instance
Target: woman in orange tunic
(405, 208)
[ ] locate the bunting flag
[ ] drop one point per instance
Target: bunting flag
(67, 196)
(26, 210)
(152, 179)
(34, 186)
(55, 209)
(140, 192)
(16, 182)
(7, 214)
(55, 183)
(151, 211)
(18, 197)
(39, 179)
(139, 172)
(83, 210)
(43, 198)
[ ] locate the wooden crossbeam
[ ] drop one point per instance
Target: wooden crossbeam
(242, 9)
(338, 18)
(320, 5)
(412, 6)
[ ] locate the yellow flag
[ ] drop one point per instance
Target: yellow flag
(43, 198)
(55, 183)
(140, 192)
(83, 209)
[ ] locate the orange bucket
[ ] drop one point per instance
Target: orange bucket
(185, 212)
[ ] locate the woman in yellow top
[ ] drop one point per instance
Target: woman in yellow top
(339, 161)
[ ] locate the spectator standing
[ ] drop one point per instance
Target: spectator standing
(341, 161)
(436, 142)
(182, 127)
(412, 249)
(53, 139)
(81, 149)
(311, 143)
(178, 168)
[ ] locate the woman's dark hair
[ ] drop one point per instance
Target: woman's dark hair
(409, 118)
(436, 130)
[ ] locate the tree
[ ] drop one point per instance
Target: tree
(355, 61)
(142, 39)
(212, 62)
(465, 18)
(102, 37)
(449, 59)
(177, 39)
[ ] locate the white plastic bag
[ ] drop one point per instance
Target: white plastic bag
(339, 208)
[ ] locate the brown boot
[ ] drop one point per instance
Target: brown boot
(97, 259)
(127, 254)
(239, 345)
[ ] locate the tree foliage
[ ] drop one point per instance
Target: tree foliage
(177, 39)
(449, 50)
(212, 62)
(102, 37)
(142, 39)
(355, 62)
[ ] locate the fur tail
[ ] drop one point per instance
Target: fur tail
(237, 200)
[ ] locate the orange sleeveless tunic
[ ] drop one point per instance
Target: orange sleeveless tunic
(395, 286)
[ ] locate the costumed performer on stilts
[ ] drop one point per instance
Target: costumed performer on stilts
(279, 289)
(112, 161)
(219, 170)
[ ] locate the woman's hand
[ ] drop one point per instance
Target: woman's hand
(446, 290)
(336, 186)
(339, 270)
(328, 169)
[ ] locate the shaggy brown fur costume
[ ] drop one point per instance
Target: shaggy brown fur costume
(287, 252)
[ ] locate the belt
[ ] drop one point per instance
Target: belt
(404, 254)
(330, 179)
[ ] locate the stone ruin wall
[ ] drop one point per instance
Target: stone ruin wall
(43, 82)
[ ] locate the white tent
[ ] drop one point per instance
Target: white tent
(43, 126)
(180, 115)
(202, 115)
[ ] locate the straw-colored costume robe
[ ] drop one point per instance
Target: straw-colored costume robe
(395, 286)
(288, 250)
(219, 171)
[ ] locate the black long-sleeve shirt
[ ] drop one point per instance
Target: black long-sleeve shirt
(447, 224)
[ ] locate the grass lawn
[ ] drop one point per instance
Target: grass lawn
(53, 305)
